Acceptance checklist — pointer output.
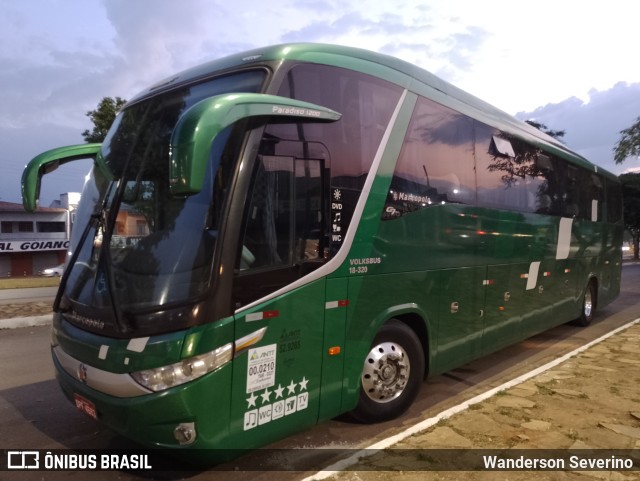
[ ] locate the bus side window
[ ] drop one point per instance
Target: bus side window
(614, 202)
(366, 104)
(591, 194)
(267, 234)
(283, 228)
(283, 223)
(436, 164)
(511, 173)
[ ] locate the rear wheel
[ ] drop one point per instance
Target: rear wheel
(392, 373)
(589, 302)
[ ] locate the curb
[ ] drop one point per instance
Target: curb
(31, 321)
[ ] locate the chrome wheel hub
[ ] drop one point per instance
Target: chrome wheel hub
(588, 303)
(386, 372)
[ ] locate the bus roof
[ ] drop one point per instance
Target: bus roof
(389, 68)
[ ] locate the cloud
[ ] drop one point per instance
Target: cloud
(464, 45)
(154, 36)
(344, 26)
(413, 32)
(593, 126)
(21, 144)
(58, 59)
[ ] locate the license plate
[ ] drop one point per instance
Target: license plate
(86, 406)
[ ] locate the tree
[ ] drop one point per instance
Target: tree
(631, 196)
(556, 134)
(629, 143)
(102, 118)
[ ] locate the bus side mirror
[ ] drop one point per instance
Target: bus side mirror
(199, 125)
(48, 162)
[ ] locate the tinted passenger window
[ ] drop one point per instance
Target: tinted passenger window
(515, 175)
(614, 202)
(551, 189)
(436, 164)
(561, 189)
(448, 157)
(366, 104)
(591, 196)
(283, 222)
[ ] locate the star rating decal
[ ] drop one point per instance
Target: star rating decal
(265, 396)
(252, 400)
(262, 409)
(279, 391)
(292, 387)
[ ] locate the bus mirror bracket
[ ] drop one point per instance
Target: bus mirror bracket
(48, 162)
(198, 127)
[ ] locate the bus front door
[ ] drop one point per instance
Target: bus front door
(277, 369)
(280, 318)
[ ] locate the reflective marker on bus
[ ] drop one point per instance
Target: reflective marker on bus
(282, 236)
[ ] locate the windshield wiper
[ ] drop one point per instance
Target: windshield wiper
(100, 223)
(93, 220)
(105, 261)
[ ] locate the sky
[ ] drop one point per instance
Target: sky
(571, 65)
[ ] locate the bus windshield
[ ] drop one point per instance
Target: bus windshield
(139, 247)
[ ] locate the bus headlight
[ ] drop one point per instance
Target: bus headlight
(165, 377)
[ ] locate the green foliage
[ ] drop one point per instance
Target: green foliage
(556, 134)
(629, 143)
(102, 118)
(631, 195)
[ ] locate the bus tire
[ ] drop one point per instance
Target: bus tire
(589, 302)
(392, 374)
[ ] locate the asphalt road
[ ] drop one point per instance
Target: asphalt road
(35, 415)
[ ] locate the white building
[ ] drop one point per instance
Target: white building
(31, 242)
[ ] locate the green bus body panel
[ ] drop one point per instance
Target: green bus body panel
(482, 264)
(124, 355)
(151, 419)
(373, 300)
(459, 331)
(47, 162)
(335, 324)
(227, 403)
(197, 128)
(268, 401)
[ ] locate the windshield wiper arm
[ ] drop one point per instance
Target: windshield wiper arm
(105, 262)
(97, 220)
(95, 217)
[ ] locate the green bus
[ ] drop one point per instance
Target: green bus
(278, 237)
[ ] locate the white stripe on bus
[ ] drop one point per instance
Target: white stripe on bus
(564, 238)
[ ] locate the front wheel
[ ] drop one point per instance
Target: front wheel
(392, 374)
(588, 305)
